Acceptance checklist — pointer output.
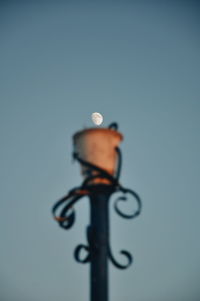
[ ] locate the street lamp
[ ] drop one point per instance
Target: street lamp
(97, 151)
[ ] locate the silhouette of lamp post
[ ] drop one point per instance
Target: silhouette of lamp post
(97, 151)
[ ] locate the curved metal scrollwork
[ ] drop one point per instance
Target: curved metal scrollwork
(87, 249)
(66, 217)
(124, 198)
(77, 253)
(66, 213)
(119, 265)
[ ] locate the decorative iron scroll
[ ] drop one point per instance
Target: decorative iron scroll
(119, 265)
(64, 213)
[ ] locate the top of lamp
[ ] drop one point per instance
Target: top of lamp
(101, 130)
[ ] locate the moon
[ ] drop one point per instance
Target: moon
(97, 118)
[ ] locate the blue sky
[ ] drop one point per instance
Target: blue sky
(137, 63)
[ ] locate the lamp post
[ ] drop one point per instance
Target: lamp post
(97, 151)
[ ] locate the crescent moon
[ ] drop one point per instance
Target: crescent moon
(97, 118)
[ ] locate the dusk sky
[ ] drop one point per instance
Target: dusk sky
(138, 64)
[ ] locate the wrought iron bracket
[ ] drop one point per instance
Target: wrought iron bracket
(64, 213)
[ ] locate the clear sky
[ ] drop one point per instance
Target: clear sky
(137, 63)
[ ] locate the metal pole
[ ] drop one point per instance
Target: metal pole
(99, 237)
(97, 250)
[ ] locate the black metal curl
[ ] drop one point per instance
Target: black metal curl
(119, 165)
(66, 219)
(79, 248)
(77, 253)
(123, 199)
(113, 126)
(119, 265)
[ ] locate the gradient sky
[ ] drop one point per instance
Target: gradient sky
(136, 62)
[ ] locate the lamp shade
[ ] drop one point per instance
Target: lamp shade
(98, 147)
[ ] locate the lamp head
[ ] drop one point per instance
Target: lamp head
(98, 147)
